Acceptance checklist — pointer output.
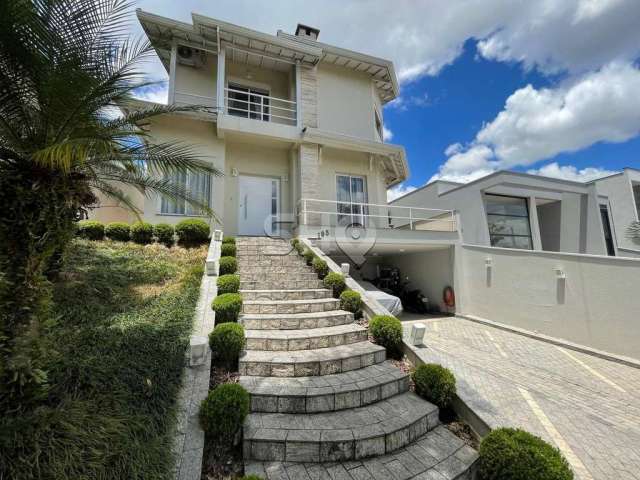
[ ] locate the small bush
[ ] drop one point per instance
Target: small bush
(227, 307)
(228, 283)
(351, 301)
(294, 242)
(164, 234)
(513, 454)
(223, 411)
(226, 342)
(299, 248)
(142, 233)
(231, 240)
(335, 282)
(387, 331)
(228, 250)
(435, 384)
(320, 267)
(309, 256)
(90, 229)
(228, 265)
(117, 231)
(192, 232)
(251, 477)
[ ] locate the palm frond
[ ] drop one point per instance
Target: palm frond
(117, 194)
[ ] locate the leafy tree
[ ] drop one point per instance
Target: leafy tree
(68, 129)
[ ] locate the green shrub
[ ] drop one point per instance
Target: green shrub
(227, 307)
(435, 384)
(335, 282)
(231, 240)
(513, 454)
(192, 232)
(223, 411)
(309, 256)
(226, 342)
(228, 265)
(164, 233)
(228, 250)
(299, 248)
(142, 233)
(294, 242)
(117, 231)
(90, 229)
(387, 331)
(351, 301)
(320, 267)
(251, 477)
(228, 283)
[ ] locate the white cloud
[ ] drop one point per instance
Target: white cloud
(403, 103)
(569, 172)
(387, 134)
(603, 106)
(154, 93)
(398, 191)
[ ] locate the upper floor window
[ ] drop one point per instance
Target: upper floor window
(198, 184)
(379, 127)
(636, 197)
(508, 221)
(248, 102)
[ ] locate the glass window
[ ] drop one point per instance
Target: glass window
(197, 184)
(352, 193)
(508, 221)
(248, 102)
(636, 196)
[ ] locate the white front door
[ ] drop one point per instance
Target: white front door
(259, 200)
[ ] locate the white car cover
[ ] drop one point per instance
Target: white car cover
(390, 302)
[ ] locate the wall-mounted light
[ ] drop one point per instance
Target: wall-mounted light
(488, 262)
(560, 274)
(234, 172)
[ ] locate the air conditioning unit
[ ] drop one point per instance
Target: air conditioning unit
(185, 53)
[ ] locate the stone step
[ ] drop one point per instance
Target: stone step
(437, 455)
(265, 276)
(310, 294)
(266, 260)
(280, 283)
(274, 270)
(304, 363)
(305, 339)
(376, 429)
(290, 306)
(295, 321)
(326, 393)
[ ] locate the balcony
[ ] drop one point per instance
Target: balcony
(247, 103)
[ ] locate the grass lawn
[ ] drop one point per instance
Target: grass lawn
(120, 324)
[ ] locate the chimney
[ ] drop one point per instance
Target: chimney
(307, 32)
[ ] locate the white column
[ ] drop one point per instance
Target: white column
(298, 96)
(220, 81)
(173, 63)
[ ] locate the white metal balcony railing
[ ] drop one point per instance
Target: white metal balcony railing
(256, 106)
(314, 212)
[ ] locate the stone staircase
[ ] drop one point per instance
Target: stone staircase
(325, 402)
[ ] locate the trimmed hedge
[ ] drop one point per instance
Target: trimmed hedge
(228, 265)
(223, 411)
(387, 331)
(320, 267)
(226, 342)
(164, 234)
(228, 250)
(90, 229)
(229, 283)
(251, 477)
(231, 240)
(308, 256)
(192, 232)
(299, 248)
(351, 301)
(142, 233)
(513, 454)
(227, 307)
(334, 281)
(435, 383)
(118, 231)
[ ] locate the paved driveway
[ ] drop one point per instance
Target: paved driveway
(587, 406)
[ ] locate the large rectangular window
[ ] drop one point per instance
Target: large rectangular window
(352, 193)
(197, 184)
(508, 221)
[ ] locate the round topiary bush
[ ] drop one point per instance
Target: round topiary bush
(227, 307)
(299, 248)
(335, 282)
(226, 342)
(164, 234)
(223, 411)
(228, 265)
(228, 283)
(119, 231)
(513, 454)
(142, 233)
(435, 383)
(294, 242)
(228, 250)
(387, 331)
(351, 301)
(230, 240)
(90, 229)
(309, 256)
(320, 267)
(192, 232)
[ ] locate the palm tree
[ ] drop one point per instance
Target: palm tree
(65, 67)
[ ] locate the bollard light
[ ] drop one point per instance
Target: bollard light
(198, 347)
(345, 269)
(417, 334)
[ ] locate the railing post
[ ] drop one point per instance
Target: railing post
(304, 210)
(220, 81)
(410, 219)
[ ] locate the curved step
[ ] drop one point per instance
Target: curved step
(308, 294)
(438, 455)
(376, 429)
(280, 283)
(305, 339)
(326, 393)
(304, 363)
(290, 306)
(295, 321)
